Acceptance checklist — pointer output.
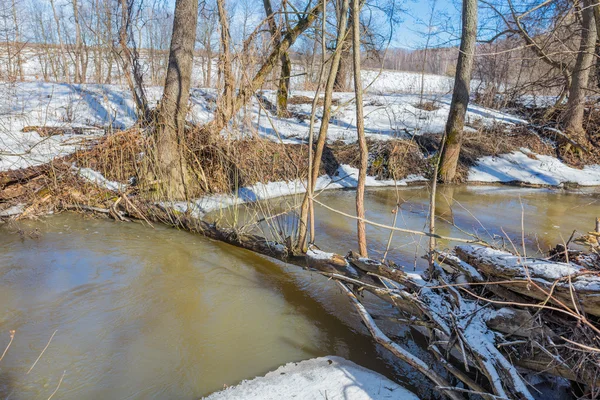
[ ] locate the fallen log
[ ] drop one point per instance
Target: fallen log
(23, 175)
(561, 284)
(47, 131)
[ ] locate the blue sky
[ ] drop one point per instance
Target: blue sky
(411, 31)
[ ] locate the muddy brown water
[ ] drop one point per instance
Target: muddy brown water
(160, 313)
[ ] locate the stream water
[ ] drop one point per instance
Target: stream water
(159, 313)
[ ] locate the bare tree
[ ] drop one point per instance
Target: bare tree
(207, 25)
(174, 103)
(18, 45)
(360, 130)
(79, 62)
(452, 140)
(131, 63)
(225, 109)
(286, 63)
(573, 121)
(63, 53)
(322, 139)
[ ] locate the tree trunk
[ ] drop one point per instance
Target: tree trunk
(360, 130)
(173, 107)
(79, 78)
(585, 58)
(63, 55)
(286, 64)
(327, 101)
(460, 96)
(284, 85)
(225, 110)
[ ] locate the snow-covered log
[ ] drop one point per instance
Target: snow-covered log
(564, 285)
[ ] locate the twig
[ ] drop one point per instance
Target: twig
(59, 382)
(398, 351)
(42, 353)
(12, 336)
(482, 394)
(476, 241)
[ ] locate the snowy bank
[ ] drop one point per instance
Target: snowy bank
(527, 167)
(320, 378)
(346, 177)
(95, 109)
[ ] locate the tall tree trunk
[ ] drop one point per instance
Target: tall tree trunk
(341, 78)
(131, 62)
(78, 45)
(286, 64)
(460, 96)
(209, 57)
(283, 89)
(63, 53)
(173, 106)
(327, 101)
(18, 45)
(225, 110)
(573, 121)
(360, 130)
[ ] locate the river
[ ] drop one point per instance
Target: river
(161, 313)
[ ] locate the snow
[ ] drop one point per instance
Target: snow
(330, 377)
(96, 109)
(12, 211)
(319, 255)
(389, 81)
(525, 166)
(99, 179)
(346, 177)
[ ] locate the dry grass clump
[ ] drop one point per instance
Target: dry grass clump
(427, 106)
(392, 159)
(224, 165)
(51, 187)
(296, 100)
(488, 141)
(116, 156)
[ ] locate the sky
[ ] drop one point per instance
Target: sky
(413, 19)
(415, 22)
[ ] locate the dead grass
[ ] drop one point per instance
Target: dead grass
(393, 159)
(492, 141)
(297, 100)
(427, 106)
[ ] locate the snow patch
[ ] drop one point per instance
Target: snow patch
(99, 179)
(346, 177)
(525, 166)
(320, 378)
